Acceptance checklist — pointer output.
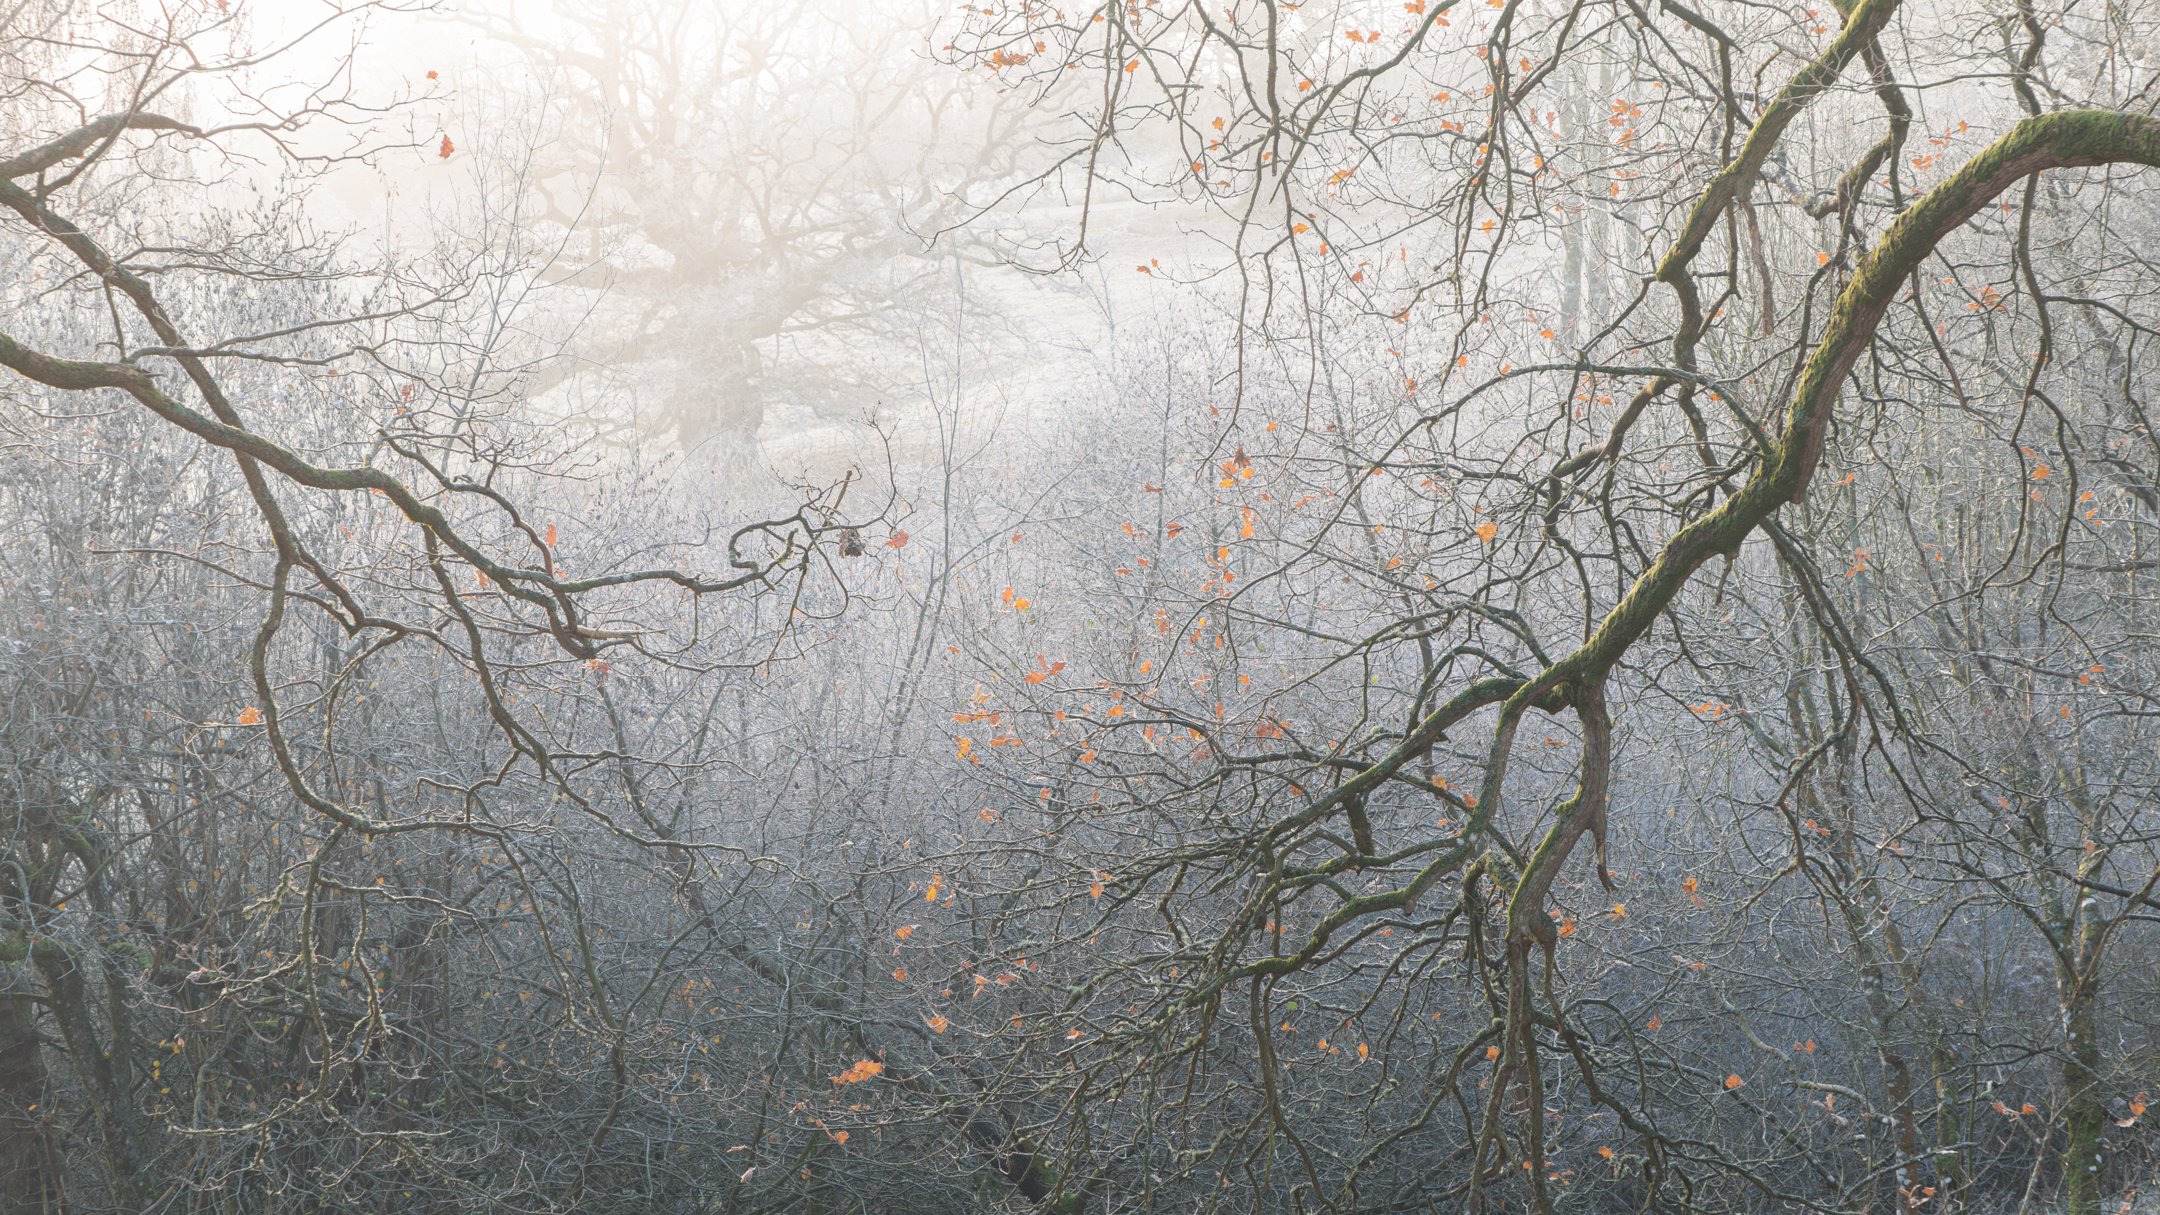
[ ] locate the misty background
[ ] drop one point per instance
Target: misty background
(815, 607)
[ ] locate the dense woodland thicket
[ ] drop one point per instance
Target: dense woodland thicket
(1483, 605)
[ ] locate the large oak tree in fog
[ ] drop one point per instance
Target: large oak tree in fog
(755, 187)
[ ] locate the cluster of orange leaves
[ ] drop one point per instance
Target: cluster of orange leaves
(865, 1069)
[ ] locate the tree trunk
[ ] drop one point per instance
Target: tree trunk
(2085, 1113)
(100, 1066)
(30, 1174)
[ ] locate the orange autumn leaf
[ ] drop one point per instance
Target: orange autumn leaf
(840, 1137)
(905, 931)
(899, 540)
(446, 148)
(251, 716)
(1488, 532)
(1606, 1152)
(937, 887)
(551, 535)
(1733, 1081)
(937, 1024)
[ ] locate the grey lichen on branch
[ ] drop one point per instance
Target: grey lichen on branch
(2069, 139)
